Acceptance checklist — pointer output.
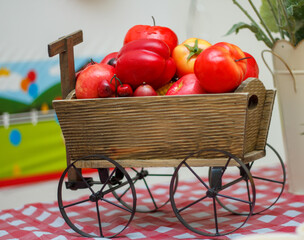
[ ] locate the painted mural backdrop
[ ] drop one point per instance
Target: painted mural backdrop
(30, 136)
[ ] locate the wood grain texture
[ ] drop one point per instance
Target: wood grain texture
(265, 120)
(161, 131)
(59, 45)
(165, 127)
(257, 94)
(194, 162)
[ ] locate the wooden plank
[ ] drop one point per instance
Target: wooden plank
(265, 121)
(59, 45)
(159, 127)
(152, 163)
(194, 162)
(67, 69)
(257, 93)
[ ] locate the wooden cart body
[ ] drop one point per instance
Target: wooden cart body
(160, 131)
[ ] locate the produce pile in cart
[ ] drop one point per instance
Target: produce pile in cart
(163, 110)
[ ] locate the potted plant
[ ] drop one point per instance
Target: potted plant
(281, 28)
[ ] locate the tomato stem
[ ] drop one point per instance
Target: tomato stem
(237, 60)
(153, 21)
(193, 51)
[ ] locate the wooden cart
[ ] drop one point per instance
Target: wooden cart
(123, 138)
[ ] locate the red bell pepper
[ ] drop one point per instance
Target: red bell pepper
(145, 61)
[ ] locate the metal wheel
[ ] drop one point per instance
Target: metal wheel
(269, 185)
(143, 180)
(87, 205)
(199, 210)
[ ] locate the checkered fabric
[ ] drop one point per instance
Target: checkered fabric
(44, 221)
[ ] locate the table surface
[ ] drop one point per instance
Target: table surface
(42, 220)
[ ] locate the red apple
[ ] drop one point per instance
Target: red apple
(188, 84)
(252, 67)
(89, 79)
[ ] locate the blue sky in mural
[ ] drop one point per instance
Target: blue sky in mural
(24, 81)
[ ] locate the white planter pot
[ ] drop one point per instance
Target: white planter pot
(288, 62)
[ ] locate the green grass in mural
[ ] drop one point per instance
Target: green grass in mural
(11, 106)
(47, 97)
(41, 150)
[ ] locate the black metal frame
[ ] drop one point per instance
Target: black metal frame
(141, 175)
(115, 180)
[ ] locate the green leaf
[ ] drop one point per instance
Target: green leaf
(267, 15)
(256, 30)
(299, 35)
(236, 28)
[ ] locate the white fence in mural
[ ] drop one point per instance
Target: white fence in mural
(32, 117)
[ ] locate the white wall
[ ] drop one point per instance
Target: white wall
(28, 26)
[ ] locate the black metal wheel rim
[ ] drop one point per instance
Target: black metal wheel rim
(95, 195)
(211, 221)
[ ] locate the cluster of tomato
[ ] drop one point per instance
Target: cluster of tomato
(151, 62)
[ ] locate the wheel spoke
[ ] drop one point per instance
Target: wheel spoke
(119, 198)
(215, 217)
(235, 199)
(232, 183)
(225, 167)
(268, 180)
(116, 205)
(82, 178)
(99, 221)
(191, 204)
(201, 180)
(150, 193)
(107, 181)
(75, 203)
(112, 189)
(136, 170)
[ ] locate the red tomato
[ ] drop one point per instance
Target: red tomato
(252, 67)
(89, 80)
(152, 32)
(221, 67)
(187, 84)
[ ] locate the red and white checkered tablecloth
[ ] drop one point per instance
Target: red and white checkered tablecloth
(44, 221)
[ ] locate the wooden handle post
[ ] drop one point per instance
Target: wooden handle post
(64, 47)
